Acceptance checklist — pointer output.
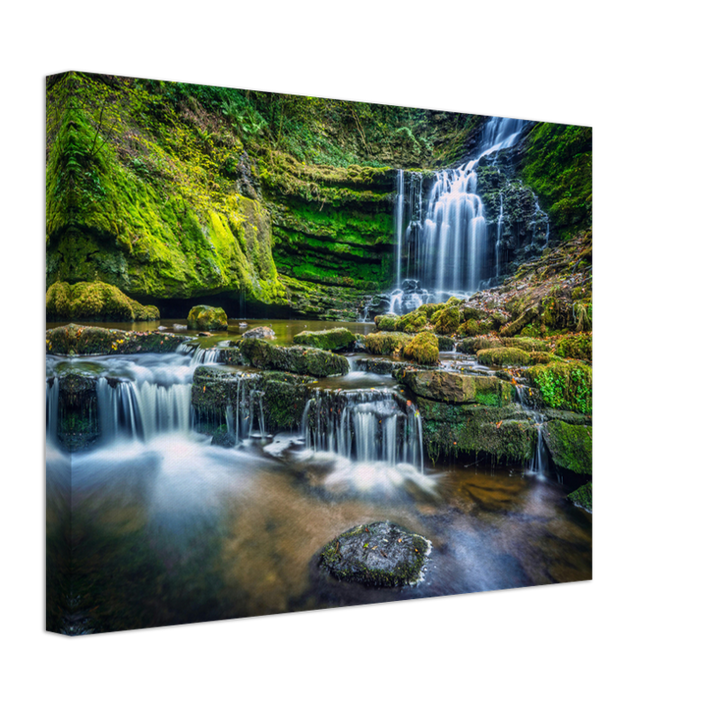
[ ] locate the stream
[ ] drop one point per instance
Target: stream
(168, 528)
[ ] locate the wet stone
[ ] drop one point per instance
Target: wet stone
(380, 554)
(259, 332)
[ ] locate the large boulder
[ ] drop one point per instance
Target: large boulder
(380, 554)
(207, 318)
(387, 343)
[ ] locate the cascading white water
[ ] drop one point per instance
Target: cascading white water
(498, 238)
(365, 426)
(539, 463)
(142, 410)
(399, 213)
(451, 252)
(454, 233)
(499, 134)
(52, 397)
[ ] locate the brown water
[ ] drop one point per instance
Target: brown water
(173, 530)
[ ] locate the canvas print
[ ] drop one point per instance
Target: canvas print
(305, 353)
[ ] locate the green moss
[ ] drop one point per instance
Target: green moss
(423, 348)
(412, 322)
(207, 318)
(564, 384)
(447, 320)
(474, 327)
(503, 357)
(570, 446)
(471, 346)
(294, 359)
(94, 302)
(387, 343)
(557, 165)
(451, 430)
(329, 339)
(582, 497)
(527, 343)
(577, 346)
(386, 322)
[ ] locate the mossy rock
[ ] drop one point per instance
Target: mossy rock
(72, 340)
(411, 322)
(387, 343)
(380, 554)
(429, 309)
(445, 343)
(294, 359)
(570, 446)
(578, 346)
(447, 320)
(564, 384)
(504, 357)
(477, 343)
(499, 434)
(582, 497)
(337, 339)
(451, 387)
(526, 343)
(94, 302)
(474, 327)
(206, 318)
(386, 322)
(423, 349)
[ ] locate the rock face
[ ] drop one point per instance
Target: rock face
(381, 554)
(207, 318)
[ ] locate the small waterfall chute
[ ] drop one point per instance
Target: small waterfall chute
(364, 426)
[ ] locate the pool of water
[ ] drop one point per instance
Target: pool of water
(167, 528)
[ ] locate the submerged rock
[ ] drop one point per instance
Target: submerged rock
(381, 554)
(259, 332)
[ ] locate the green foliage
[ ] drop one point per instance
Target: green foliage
(558, 166)
(94, 302)
(575, 346)
(503, 357)
(570, 446)
(412, 322)
(447, 320)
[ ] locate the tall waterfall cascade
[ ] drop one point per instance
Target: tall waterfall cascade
(444, 242)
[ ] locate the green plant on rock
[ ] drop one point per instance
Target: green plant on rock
(564, 384)
(412, 322)
(447, 320)
(423, 349)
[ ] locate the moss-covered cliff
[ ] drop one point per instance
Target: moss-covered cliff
(176, 192)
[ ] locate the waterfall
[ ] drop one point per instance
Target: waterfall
(498, 238)
(365, 426)
(52, 398)
(539, 463)
(454, 233)
(499, 134)
(399, 208)
(143, 410)
(448, 250)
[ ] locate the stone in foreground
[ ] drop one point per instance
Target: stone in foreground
(381, 554)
